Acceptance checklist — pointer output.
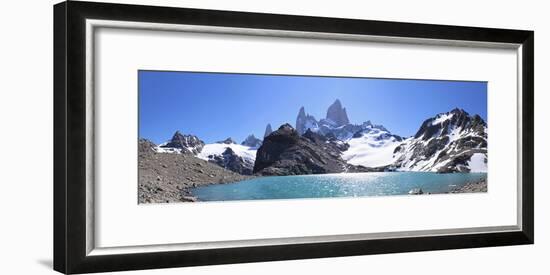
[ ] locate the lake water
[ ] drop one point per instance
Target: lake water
(335, 185)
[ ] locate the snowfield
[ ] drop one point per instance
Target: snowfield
(247, 153)
(376, 147)
(370, 153)
(373, 149)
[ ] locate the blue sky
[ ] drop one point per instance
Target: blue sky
(215, 106)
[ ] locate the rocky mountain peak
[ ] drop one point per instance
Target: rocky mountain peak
(336, 124)
(458, 111)
(337, 114)
(447, 142)
(285, 152)
(188, 143)
(268, 130)
(286, 134)
(367, 123)
(252, 141)
(285, 129)
(228, 140)
(457, 120)
(302, 112)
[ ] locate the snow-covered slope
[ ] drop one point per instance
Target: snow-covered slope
(235, 157)
(246, 152)
(228, 154)
(371, 147)
(449, 142)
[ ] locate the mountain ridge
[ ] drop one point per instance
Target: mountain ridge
(453, 141)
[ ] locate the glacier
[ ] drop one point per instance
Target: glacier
(246, 152)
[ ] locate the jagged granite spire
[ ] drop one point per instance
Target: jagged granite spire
(337, 114)
(301, 120)
(268, 130)
(305, 121)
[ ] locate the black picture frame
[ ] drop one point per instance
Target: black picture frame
(70, 254)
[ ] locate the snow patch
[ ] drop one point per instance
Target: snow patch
(441, 118)
(169, 150)
(478, 163)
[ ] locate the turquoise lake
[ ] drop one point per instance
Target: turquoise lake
(335, 185)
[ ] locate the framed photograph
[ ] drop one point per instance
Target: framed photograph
(189, 137)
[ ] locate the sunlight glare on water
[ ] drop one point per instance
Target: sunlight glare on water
(335, 185)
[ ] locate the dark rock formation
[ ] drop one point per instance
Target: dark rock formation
(285, 152)
(252, 141)
(188, 143)
(231, 161)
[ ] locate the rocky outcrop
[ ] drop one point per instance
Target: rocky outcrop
(231, 161)
(185, 143)
(252, 141)
(146, 146)
(448, 142)
(285, 152)
(268, 130)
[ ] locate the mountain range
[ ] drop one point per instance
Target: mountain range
(454, 141)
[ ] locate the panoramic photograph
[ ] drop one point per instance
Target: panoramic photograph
(230, 137)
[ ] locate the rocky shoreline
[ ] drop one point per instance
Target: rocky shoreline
(169, 177)
(472, 187)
